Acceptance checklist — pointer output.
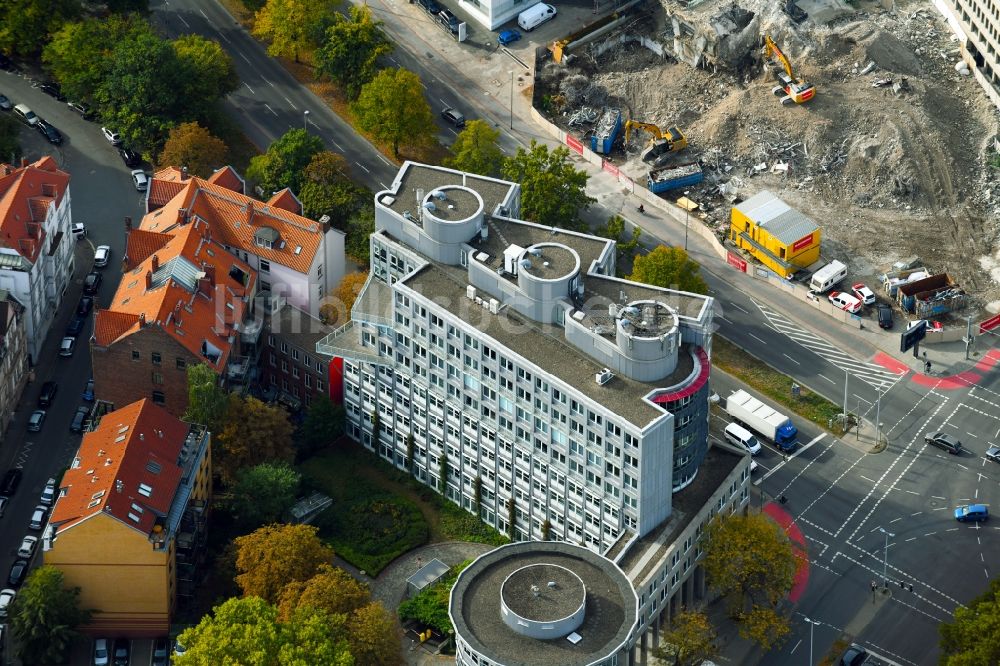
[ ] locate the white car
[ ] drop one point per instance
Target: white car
(27, 547)
(38, 518)
(101, 256)
(864, 294)
(140, 179)
(6, 599)
(67, 346)
(79, 231)
(49, 493)
(114, 138)
(102, 652)
(845, 301)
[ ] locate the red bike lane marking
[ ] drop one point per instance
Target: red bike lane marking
(958, 381)
(787, 523)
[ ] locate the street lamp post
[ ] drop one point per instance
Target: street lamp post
(812, 624)
(885, 556)
(687, 215)
(305, 120)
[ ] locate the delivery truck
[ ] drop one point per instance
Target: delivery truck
(762, 419)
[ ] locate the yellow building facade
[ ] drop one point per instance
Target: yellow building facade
(777, 235)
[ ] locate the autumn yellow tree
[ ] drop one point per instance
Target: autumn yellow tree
(332, 589)
(337, 309)
(252, 433)
(191, 145)
(689, 641)
(274, 556)
(372, 635)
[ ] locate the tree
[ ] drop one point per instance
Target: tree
(25, 25)
(392, 108)
(689, 641)
(324, 423)
(511, 518)
(327, 189)
(443, 473)
(253, 432)
(193, 146)
(332, 590)
(263, 493)
(974, 635)
(477, 494)
(615, 230)
(207, 401)
(410, 446)
(10, 146)
(764, 626)
(284, 163)
(344, 296)
(669, 267)
(352, 48)
(546, 529)
(429, 606)
(207, 73)
(476, 150)
(293, 26)
(45, 617)
(553, 192)
(120, 6)
(273, 556)
(360, 227)
(372, 635)
(314, 637)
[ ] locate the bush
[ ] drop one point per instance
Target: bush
(430, 605)
(460, 525)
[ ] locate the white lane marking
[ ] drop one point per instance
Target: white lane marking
(384, 186)
(867, 479)
(916, 514)
(443, 101)
(290, 102)
(367, 170)
(249, 88)
(892, 521)
(186, 24)
(270, 109)
(339, 147)
(756, 338)
(267, 81)
(203, 13)
(741, 309)
(828, 379)
(936, 497)
(796, 647)
(791, 359)
(383, 159)
(244, 57)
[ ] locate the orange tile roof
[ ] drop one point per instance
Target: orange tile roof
(228, 178)
(134, 448)
(286, 200)
(26, 192)
(140, 244)
(235, 218)
(172, 288)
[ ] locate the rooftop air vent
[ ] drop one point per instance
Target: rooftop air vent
(440, 196)
(603, 377)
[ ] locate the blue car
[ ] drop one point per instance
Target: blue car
(972, 513)
(88, 392)
(508, 37)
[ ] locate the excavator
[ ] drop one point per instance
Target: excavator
(791, 88)
(669, 141)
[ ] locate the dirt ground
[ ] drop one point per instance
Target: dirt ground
(887, 175)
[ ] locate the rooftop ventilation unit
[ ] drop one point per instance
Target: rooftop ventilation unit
(429, 205)
(470, 292)
(494, 306)
(525, 263)
(535, 251)
(603, 377)
(440, 196)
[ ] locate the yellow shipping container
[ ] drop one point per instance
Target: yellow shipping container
(780, 237)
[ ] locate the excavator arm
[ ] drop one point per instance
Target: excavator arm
(635, 124)
(771, 49)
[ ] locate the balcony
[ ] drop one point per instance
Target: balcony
(344, 343)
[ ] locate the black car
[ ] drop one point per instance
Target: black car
(18, 571)
(161, 652)
(48, 394)
(85, 305)
(49, 131)
(92, 282)
(11, 480)
(944, 441)
(448, 20)
(51, 89)
(430, 6)
(130, 158)
(75, 327)
(884, 316)
(121, 651)
(854, 656)
(79, 419)
(453, 116)
(6, 63)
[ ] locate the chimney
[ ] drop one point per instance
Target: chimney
(128, 224)
(142, 320)
(184, 173)
(210, 273)
(205, 283)
(24, 162)
(156, 263)
(250, 211)
(149, 280)
(181, 215)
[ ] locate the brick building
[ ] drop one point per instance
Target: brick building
(289, 362)
(13, 358)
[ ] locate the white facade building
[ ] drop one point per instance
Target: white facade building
(494, 13)
(36, 246)
(977, 25)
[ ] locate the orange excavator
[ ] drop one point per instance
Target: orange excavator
(791, 89)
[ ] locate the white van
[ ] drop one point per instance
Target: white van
(827, 277)
(739, 436)
(534, 16)
(25, 115)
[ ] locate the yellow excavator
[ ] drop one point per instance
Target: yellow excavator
(669, 141)
(791, 88)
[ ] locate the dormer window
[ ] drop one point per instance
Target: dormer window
(265, 237)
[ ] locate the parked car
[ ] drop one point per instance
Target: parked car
(972, 513)
(3, 505)
(161, 652)
(845, 301)
(11, 480)
(79, 231)
(453, 116)
(864, 294)
(82, 109)
(88, 391)
(448, 20)
(993, 453)
(38, 517)
(18, 571)
(102, 656)
(884, 316)
(52, 90)
(75, 327)
(36, 420)
(6, 63)
(113, 137)
(508, 37)
(130, 158)
(430, 6)
(5, 104)
(25, 115)
(67, 347)
(140, 180)
(85, 305)
(6, 599)
(48, 394)
(944, 441)
(49, 493)
(48, 130)
(92, 282)
(79, 419)
(27, 547)
(855, 655)
(121, 651)
(101, 255)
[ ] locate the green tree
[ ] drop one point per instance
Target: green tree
(443, 473)
(323, 425)
(284, 163)
(327, 189)
(669, 267)
(553, 192)
(121, 6)
(10, 145)
(689, 641)
(429, 606)
(410, 446)
(476, 150)
(45, 617)
(332, 590)
(293, 26)
(263, 493)
(511, 518)
(207, 401)
(764, 626)
(360, 227)
(352, 48)
(25, 25)
(392, 108)
(314, 637)
(273, 556)
(973, 637)
(193, 146)
(207, 73)
(253, 432)
(615, 230)
(373, 637)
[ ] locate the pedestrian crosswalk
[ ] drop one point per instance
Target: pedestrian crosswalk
(874, 375)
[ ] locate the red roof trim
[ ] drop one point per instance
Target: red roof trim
(693, 387)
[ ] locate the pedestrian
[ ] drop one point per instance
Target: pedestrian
(874, 585)
(901, 585)
(642, 209)
(911, 587)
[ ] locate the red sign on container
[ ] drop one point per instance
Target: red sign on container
(989, 324)
(737, 262)
(802, 242)
(574, 144)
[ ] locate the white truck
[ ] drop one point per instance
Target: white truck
(762, 419)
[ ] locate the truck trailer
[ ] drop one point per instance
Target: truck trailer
(762, 419)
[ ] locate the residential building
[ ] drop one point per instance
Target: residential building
(13, 358)
(977, 25)
(36, 243)
(494, 13)
(774, 233)
(129, 520)
(182, 300)
(290, 366)
(296, 258)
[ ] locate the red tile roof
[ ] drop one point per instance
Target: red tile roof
(128, 462)
(140, 244)
(26, 192)
(228, 178)
(110, 325)
(286, 200)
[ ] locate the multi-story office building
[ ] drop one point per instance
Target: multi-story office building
(977, 24)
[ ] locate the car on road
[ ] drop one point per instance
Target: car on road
(27, 547)
(85, 305)
(864, 294)
(6, 599)
(48, 130)
(161, 652)
(944, 441)
(47, 394)
(972, 513)
(884, 316)
(38, 517)
(3, 505)
(75, 327)
(453, 116)
(25, 115)
(101, 255)
(79, 231)
(130, 158)
(18, 571)
(140, 180)
(11, 480)
(430, 6)
(845, 301)
(92, 282)
(79, 419)
(88, 390)
(448, 20)
(52, 90)
(48, 493)
(5, 104)
(67, 347)
(113, 137)
(855, 655)
(508, 37)
(82, 109)
(121, 651)
(36, 420)
(993, 453)
(102, 657)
